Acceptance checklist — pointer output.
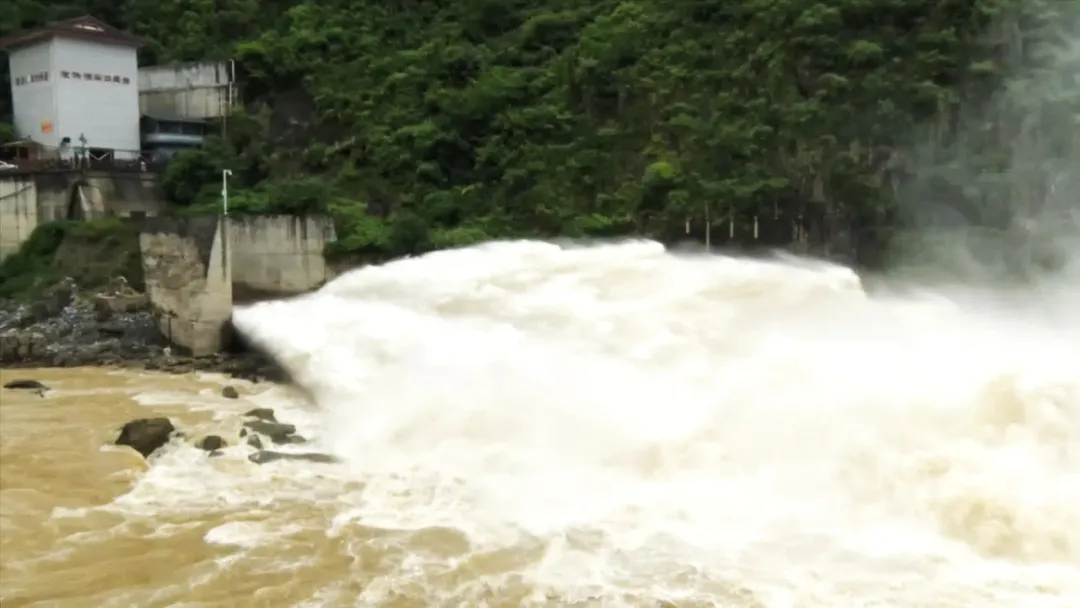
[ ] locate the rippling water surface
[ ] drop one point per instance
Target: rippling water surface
(527, 424)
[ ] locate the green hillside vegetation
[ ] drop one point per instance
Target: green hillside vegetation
(422, 125)
(92, 253)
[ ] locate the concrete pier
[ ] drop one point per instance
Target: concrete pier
(187, 267)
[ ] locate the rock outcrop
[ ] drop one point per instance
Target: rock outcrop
(54, 300)
(17, 346)
(146, 435)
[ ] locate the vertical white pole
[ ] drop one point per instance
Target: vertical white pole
(708, 228)
(225, 173)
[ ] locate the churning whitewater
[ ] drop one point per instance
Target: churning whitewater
(626, 425)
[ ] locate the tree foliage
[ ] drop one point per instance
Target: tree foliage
(432, 124)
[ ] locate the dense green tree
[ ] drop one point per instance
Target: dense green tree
(433, 124)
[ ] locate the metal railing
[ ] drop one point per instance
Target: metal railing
(133, 161)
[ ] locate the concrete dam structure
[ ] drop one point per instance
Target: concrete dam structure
(278, 255)
(195, 268)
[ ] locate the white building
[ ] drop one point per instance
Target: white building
(74, 85)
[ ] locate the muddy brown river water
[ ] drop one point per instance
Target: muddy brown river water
(65, 540)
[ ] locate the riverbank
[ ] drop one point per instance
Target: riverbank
(108, 327)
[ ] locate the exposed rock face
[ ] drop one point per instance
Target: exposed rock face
(106, 306)
(17, 346)
(146, 435)
(65, 328)
(230, 393)
(54, 300)
(112, 327)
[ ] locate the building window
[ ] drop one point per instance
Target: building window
(87, 76)
(97, 77)
(108, 78)
(116, 79)
(76, 75)
(127, 80)
(65, 74)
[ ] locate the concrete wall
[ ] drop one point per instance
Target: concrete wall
(189, 90)
(28, 199)
(123, 194)
(278, 255)
(18, 212)
(188, 274)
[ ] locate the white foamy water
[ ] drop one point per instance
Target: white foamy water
(623, 425)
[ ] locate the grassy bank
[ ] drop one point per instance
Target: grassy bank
(90, 252)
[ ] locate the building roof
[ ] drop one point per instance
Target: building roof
(23, 143)
(84, 28)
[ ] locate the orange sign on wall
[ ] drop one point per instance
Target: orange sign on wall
(46, 126)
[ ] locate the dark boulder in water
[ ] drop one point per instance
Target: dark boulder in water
(230, 393)
(212, 443)
(265, 456)
(146, 435)
(25, 384)
(276, 431)
(262, 413)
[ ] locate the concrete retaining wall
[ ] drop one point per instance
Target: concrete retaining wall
(188, 274)
(122, 194)
(28, 199)
(18, 212)
(278, 255)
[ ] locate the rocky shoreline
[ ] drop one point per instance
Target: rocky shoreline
(260, 431)
(110, 327)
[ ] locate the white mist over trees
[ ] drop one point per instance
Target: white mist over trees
(995, 192)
